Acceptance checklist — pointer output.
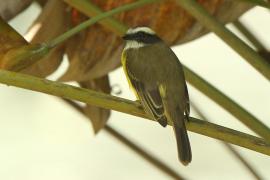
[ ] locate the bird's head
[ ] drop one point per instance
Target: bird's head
(140, 36)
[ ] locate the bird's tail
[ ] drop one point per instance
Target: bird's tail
(183, 145)
(176, 117)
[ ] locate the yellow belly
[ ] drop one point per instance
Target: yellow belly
(123, 61)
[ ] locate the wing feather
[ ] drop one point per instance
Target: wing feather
(149, 97)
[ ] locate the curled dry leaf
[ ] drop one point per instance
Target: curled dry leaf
(98, 116)
(96, 51)
(15, 52)
(19, 58)
(9, 38)
(53, 21)
(79, 50)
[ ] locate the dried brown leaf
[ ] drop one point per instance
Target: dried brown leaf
(53, 21)
(81, 55)
(15, 52)
(9, 38)
(98, 116)
(17, 59)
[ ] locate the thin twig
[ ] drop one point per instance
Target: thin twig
(230, 147)
(126, 106)
(258, 3)
(243, 161)
(250, 36)
(153, 160)
(227, 103)
(95, 19)
(137, 149)
(252, 57)
(90, 9)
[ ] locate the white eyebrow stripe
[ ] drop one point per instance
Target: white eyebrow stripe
(134, 45)
(141, 29)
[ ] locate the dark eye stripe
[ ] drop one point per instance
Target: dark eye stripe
(143, 37)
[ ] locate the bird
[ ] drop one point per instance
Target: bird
(156, 76)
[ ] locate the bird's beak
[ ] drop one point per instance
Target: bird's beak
(126, 37)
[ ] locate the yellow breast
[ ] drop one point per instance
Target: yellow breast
(123, 61)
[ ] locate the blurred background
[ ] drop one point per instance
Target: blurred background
(43, 138)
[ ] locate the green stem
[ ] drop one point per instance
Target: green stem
(95, 19)
(154, 161)
(230, 148)
(251, 37)
(232, 107)
(134, 147)
(253, 58)
(90, 9)
(248, 166)
(258, 3)
(129, 107)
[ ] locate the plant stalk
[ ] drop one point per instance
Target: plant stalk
(251, 56)
(126, 106)
(230, 148)
(227, 103)
(97, 18)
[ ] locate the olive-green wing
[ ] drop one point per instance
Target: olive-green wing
(150, 98)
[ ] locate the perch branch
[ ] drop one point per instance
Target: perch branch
(126, 106)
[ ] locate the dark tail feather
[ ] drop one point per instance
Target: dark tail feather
(183, 145)
(176, 116)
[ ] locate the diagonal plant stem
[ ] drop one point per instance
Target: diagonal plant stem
(156, 162)
(243, 161)
(230, 147)
(253, 58)
(251, 37)
(126, 106)
(227, 103)
(258, 3)
(137, 149)
(95, 19)
(90, 9)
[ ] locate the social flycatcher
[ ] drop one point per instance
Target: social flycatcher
(156, 76)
